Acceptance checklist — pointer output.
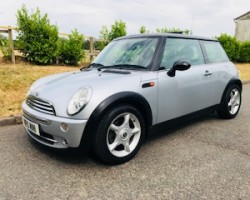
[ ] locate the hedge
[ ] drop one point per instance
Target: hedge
(236, 50)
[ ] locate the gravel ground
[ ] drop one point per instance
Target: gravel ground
(208, 158)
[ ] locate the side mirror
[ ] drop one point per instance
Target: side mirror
(179, 65)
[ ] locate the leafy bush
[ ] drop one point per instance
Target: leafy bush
(6, 49)
(5, 46)
(244, 52)
(86, 44)
(3, 40)
(237, 51)
(37, 38)
(231, 46)
(71, 50)
(99, 45)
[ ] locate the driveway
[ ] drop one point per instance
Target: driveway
(208, 158)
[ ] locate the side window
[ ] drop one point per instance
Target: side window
(181, 49)
(214, 52)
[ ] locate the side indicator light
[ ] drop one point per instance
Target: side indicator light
(150, 84)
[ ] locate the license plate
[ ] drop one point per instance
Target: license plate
(31, 126)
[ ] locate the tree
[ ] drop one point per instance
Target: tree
(104, 33)
(118, 29)
(37, 38)
(70, 50)
(143, 29)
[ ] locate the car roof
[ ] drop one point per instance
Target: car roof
(172, 35)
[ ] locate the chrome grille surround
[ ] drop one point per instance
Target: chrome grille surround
(40, 105)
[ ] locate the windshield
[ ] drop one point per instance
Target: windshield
(136, 52)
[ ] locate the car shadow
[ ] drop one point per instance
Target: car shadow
(177, 128)
(85, 156)
(70, 155)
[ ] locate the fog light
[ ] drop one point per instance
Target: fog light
(64, 127)
(65, 143)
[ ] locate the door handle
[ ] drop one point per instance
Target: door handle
(207, 73)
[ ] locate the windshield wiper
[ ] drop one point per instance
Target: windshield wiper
(102, 67)
(92, 65)
(129, 66)
(123, 66)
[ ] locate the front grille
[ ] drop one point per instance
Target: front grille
(40, 105)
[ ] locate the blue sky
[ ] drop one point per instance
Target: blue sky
(205, 18)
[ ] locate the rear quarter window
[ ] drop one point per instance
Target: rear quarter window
(214, 52)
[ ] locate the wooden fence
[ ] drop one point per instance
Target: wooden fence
(9, 30)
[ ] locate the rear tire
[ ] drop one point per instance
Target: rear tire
(230, 103)
(119, 134)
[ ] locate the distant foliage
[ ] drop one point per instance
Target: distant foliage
(3, 40)
(71, 50)
(244, 52)
(173, 30)
(237, 51)
(104, 33)
(231, 46)
(37, 38)
(5, 46)
(118, 29)
(143, 30)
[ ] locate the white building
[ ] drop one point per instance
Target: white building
(242, 30)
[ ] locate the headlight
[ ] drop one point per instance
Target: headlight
(79, 100)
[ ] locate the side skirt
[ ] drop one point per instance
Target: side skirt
(163, 126)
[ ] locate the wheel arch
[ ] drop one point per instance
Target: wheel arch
(231, 82)
(131, 98)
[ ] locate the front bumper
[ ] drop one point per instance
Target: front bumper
(50, 131)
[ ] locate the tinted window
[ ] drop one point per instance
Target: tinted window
(181, 49)
(214, 52)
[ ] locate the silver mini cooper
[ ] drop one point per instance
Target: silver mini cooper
(137, 85)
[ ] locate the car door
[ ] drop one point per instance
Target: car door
(218, 62)
(188, 91)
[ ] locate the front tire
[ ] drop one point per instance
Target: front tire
(231, 102)
(119, 134)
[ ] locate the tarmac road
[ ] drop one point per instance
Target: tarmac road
(206, 159)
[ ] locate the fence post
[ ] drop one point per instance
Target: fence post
(91, 48)
(11, 46)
